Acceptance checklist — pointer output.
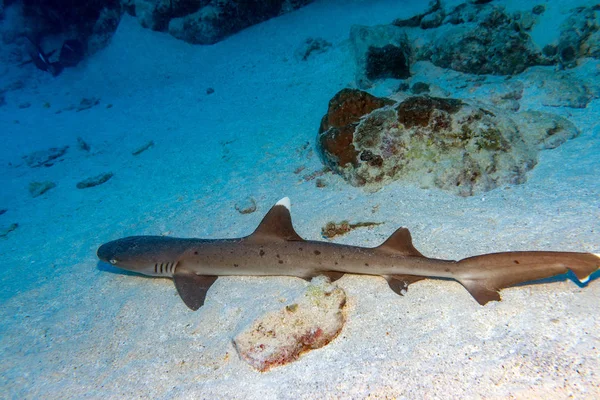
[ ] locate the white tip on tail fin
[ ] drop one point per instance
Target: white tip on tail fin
(284, 202)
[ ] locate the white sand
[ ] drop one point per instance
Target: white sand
(73, 328)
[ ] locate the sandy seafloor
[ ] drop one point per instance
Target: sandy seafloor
(74, 328)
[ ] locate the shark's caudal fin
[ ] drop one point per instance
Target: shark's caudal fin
(483, 276)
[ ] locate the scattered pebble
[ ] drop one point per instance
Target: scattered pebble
(143, 148)
(87, 103)
(94, 181)
(39, 188)
(246, 206)
(82, 144)
(45, 158)
(210, 90)
(4, 232)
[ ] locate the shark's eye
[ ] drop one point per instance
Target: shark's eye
(113, 261)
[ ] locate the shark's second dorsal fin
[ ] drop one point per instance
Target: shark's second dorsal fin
(277, 224)
(400, 242)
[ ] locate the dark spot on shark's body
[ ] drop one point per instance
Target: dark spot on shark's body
(235, 265)
(366, 264)
(280, 261)
(261, 252)
(317, 252)
(516, 262)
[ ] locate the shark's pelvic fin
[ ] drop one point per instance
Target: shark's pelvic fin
(276, 225)
(192, 288)
(399, 283)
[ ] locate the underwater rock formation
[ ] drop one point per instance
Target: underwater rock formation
(435, 142)
(477, 38)
(482, 39)
(310, 322)
(207, 21)
(380, 52)
(579, 36)
(91, 22)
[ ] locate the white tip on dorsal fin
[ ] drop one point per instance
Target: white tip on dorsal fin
(276, 225)
(285, 202)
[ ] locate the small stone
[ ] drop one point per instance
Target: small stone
(539, 9)
(246, 206)
(143, 148)
(4, 232)
(210, 90)
(87, 103)
(39, 188)
(320, 183)
(94, 181)
(312, 46)
(82, 144)
(420, 88)
(45, 158)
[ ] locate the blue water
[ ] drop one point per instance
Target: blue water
(229, 124)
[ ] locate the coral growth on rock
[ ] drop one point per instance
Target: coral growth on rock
(310, 322)
(435, 142)
(476, 38)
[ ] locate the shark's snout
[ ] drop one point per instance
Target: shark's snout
(104, 252)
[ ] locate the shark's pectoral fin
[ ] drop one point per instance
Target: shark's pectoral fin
(399, 283)
(192, 288)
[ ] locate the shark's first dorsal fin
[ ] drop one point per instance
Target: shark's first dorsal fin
(400, 242)
(277, 224)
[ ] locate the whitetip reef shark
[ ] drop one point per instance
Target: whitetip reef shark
(275, 249)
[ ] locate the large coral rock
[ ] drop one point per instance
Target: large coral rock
(578, 36)
(221, 18)
(481, 39)
(476, 38)
(434, 142)
(280, 337)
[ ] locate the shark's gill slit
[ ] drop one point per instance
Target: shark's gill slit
(156, 268)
